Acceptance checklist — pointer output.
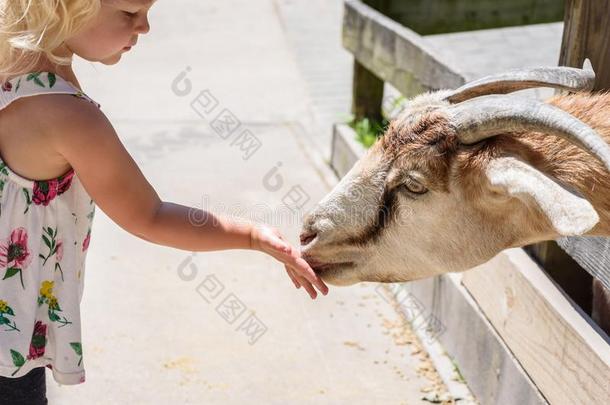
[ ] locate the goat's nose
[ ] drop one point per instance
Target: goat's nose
(307, 236)
(309, 230)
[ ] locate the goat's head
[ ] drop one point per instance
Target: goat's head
(434, 195)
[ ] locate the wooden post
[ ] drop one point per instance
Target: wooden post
(586, 34)
(367, 90)
(367, 94)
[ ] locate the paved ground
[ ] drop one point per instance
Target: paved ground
(155, 332)
(313, 29)
(150, 336)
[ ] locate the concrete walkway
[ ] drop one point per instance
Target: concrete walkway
(163, 326)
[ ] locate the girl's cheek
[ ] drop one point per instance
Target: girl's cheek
(113, 38)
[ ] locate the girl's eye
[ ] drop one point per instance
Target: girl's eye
(130, 14)
(414, 186)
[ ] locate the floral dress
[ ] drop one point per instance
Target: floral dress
(45, 227)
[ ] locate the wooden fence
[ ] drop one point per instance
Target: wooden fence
(509, 309)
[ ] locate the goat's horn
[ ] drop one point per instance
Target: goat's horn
(487, 116)
(564, 78)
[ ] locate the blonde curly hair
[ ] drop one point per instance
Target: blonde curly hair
(30, 29)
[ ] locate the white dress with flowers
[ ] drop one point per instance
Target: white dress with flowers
(45, 227)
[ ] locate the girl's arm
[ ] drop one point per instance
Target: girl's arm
(82, 134)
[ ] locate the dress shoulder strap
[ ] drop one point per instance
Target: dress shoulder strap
(36, 83)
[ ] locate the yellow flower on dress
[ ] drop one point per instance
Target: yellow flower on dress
(3, 307)
(53, 303)
(46, 290)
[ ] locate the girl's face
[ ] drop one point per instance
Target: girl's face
(112, 31)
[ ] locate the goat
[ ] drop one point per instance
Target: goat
(462, 174)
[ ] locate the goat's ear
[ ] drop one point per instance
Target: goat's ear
(568, 213)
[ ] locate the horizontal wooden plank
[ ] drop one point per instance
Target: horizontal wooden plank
(566, 355)
(493, 374)
(441, 16)
(393, 52)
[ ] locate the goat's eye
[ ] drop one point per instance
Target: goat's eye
(414, 186)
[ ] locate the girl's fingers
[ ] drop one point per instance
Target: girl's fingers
(308, 287)
(292, 277)
(303, 282)
(302, 268)
(294, 260)
(299, 268)
(300, 281)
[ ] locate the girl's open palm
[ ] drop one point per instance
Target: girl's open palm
(271, 241)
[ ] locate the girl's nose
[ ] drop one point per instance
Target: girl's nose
(143, 26)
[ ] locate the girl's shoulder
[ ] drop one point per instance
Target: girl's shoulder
(31, 128)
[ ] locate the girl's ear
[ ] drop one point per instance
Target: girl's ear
(569, 213)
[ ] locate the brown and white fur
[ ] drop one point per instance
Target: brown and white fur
(421, 203)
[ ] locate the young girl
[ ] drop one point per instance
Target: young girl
(60, 157)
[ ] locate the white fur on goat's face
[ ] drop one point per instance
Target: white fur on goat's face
(384, 232)
(398, 239)
(374, 227)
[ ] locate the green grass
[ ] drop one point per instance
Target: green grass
(367, 131)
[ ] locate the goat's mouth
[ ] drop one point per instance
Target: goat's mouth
(321, 268)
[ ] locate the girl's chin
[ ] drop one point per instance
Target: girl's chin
(112, 60)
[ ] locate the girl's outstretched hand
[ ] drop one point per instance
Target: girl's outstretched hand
(271, 241)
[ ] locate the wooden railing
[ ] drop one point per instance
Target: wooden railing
(566, 355)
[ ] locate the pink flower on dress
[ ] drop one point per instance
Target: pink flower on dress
(64, 182)
(44, 192)
(7, 86)
(86, 241)
(60, 250)
(39, 341)
(14, 252)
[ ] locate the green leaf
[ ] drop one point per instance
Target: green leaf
(46, 241)
(50, 230)
(27, 195)
(52, 79)
(34, 76)
(53, 316)
(18, 359)
(10, 272)
(4, 321)
(9, 311)
(18, 84)
(78, 349)
(38, 341)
